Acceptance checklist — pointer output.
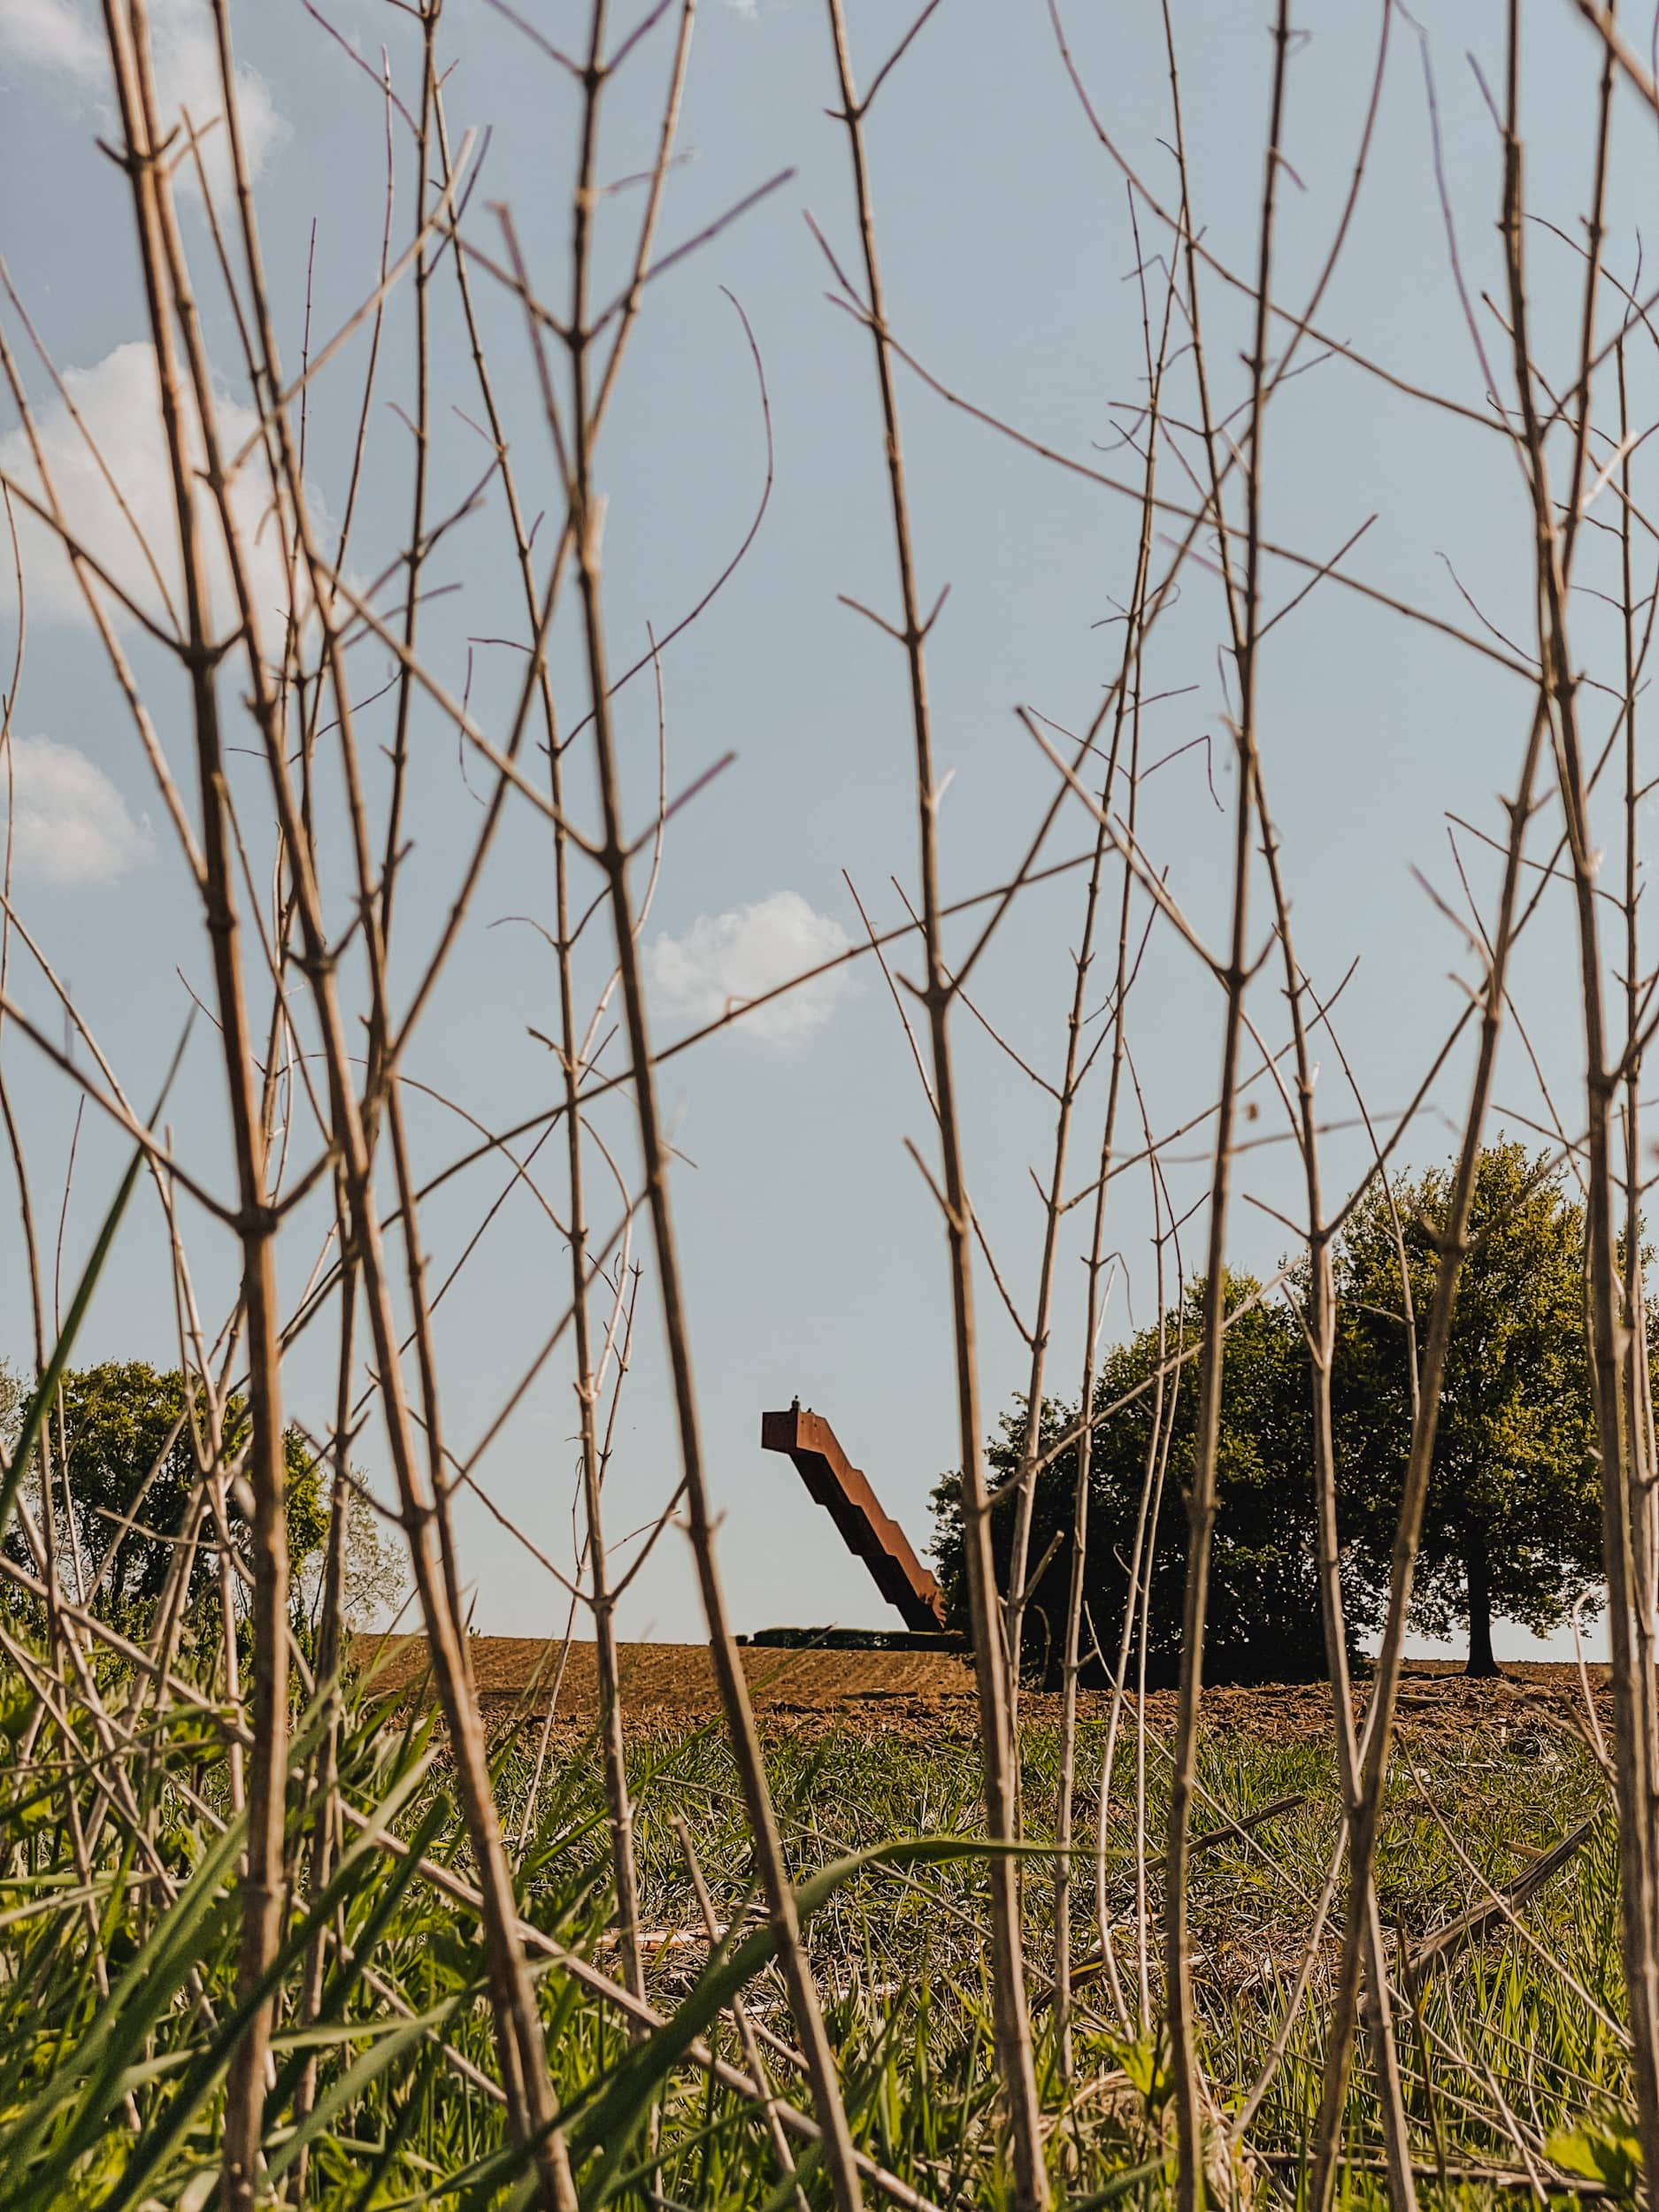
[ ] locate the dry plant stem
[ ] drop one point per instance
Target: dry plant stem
(1071, 1658)
(263, 1873)
(1320, 1330)
(519, 2031)
(1637, 1381)
(1189, 2097)
(1306, 1969)
(619, 1802)
(14, 1139)
(425, 1364)
(1635, 1692)
(1011, 2014)
(1138, 1589)
(1320, 1321)
(1076, 1068)
(1453, 1244)
(532, 1795)
(1017, 1595)
(325, 1831)
(617, 1799)
(1146, 1515)
(1157, 1478)
(1556, 713)
(416, 545)
(728, 1670)
(613, 859)
(740, 2020)
(1321, 1317)
(1071, 1661)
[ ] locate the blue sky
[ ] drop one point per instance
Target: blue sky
(814, 1253)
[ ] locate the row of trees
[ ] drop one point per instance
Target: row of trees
(126, 1453)
(1513, 1526)
(1512, 1530)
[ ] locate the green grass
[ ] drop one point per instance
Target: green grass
(114, 2097)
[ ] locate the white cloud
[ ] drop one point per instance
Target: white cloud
(723, 960)
(118, 402)
(67, 37)
(50, 34)
(69, 823)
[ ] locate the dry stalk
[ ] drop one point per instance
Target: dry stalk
(1127, 706)
(586, 517)
(1189, 2097)
(1012, 2019)
(519, 2038)
(264, 1872)
(1619, 1410)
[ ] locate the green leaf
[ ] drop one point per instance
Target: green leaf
(358, 1863)
(1121, 2185)
(116, 2040)
(391, 2042)
(1607, 2150)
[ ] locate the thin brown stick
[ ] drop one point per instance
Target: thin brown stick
(1010, 2009)
(613, 859)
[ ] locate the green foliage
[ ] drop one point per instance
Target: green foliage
(1512, 1529)
(377, 1577)
(1605, 2150)
(1264, 1602)
(131, 1447)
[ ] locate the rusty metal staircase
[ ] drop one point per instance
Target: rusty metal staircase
(869, 1533)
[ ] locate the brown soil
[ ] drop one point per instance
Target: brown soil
(925, 1694)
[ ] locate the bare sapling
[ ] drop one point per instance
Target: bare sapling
(991, 1659)
(264, 1873)
(586, 525)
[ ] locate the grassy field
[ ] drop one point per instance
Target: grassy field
(117, 2009)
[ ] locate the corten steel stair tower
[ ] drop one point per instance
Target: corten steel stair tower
(867, 1532)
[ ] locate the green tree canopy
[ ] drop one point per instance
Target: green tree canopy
(129, 1452)
(1265, 1621)
(1512, 1529)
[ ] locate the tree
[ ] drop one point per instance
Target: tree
(375, 1579)
(1512, 1527)
(129, 1451)
(1265, 1619)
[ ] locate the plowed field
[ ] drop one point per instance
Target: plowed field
(923, 1693)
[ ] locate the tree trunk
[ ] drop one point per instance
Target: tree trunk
(1480, 1659)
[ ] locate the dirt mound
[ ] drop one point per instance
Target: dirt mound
(918, 1693)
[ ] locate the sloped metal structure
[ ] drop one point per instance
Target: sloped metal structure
(869, 1533)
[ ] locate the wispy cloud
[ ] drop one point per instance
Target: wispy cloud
(50, 34)
(70, 825)
(64, 38)
(116, 401)
(722, 961)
